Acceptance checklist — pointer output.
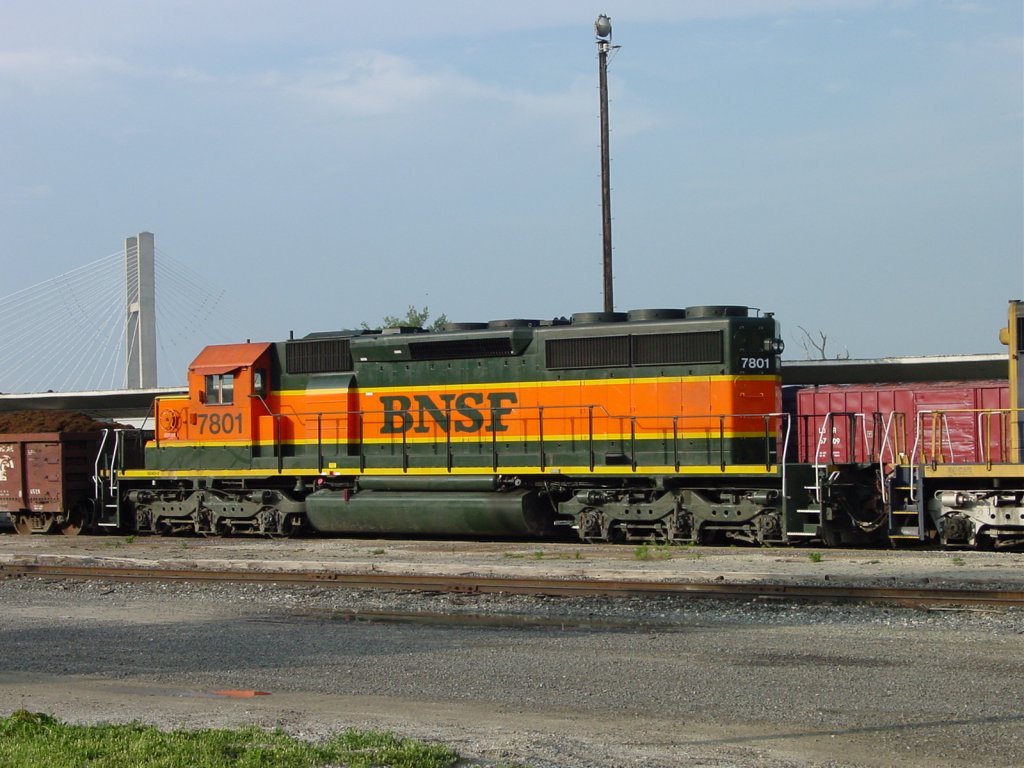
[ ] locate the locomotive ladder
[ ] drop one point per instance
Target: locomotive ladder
(899, 492)
(812, 518)
(106, 481)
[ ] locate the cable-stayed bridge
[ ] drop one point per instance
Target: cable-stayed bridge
(133, 319)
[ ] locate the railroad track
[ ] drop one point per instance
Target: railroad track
(579, 587)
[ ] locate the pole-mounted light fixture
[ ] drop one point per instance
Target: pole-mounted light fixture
(603, 32)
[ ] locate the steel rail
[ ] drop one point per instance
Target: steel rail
(558, 587)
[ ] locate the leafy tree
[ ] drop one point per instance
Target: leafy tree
(414, 317)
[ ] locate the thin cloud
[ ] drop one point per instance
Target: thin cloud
(376, 83)
(47, 65)
(28, 194)
(372, 84)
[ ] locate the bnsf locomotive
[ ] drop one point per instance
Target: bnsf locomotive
(663, 425)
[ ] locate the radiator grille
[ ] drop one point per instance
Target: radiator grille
(318, 356)
(460, 349)
(588, 352)
(678, 348)
(705, 347)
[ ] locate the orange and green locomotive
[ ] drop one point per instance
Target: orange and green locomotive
(653, 424)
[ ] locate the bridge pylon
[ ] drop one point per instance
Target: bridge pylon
(140, 304)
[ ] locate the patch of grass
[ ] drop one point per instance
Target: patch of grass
(35, 740)
(647, 552)
(574, 556)
(378, 551)
(129, 539)
(959, 561)
(815, 557)
(538, 555)
(514, 555)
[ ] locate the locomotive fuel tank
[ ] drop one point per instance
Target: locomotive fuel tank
(456, 506)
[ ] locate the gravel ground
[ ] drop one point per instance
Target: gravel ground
(860, 567)
(545, 682)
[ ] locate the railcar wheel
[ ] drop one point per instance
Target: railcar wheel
(23, 524)
(77, 520)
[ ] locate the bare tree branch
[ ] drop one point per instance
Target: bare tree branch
(817, 349)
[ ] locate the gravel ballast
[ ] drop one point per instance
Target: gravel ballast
(544, 682)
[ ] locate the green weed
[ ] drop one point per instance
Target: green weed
(647, 552)
(35, 740)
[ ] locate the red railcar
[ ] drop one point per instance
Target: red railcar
(918, 423)
(46, 479)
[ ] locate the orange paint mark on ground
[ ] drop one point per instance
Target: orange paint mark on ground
(240, 694)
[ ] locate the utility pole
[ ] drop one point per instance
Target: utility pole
(603, 32)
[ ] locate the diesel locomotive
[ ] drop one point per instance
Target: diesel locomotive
(652, 425)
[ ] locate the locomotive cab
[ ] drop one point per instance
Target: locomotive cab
(227, 387)
(225, 384)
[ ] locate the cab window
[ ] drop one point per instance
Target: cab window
(220, 389)
(259, 382)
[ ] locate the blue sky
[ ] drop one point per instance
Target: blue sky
(853, 166)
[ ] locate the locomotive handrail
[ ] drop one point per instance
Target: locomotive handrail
(634, 422)
(785, 446)
(985, 434)
(102, 493)
(881, 456)
(97, 482)
(851, 447)
(940, 429)
(917, 442)
(940, 432)
(822, 431)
